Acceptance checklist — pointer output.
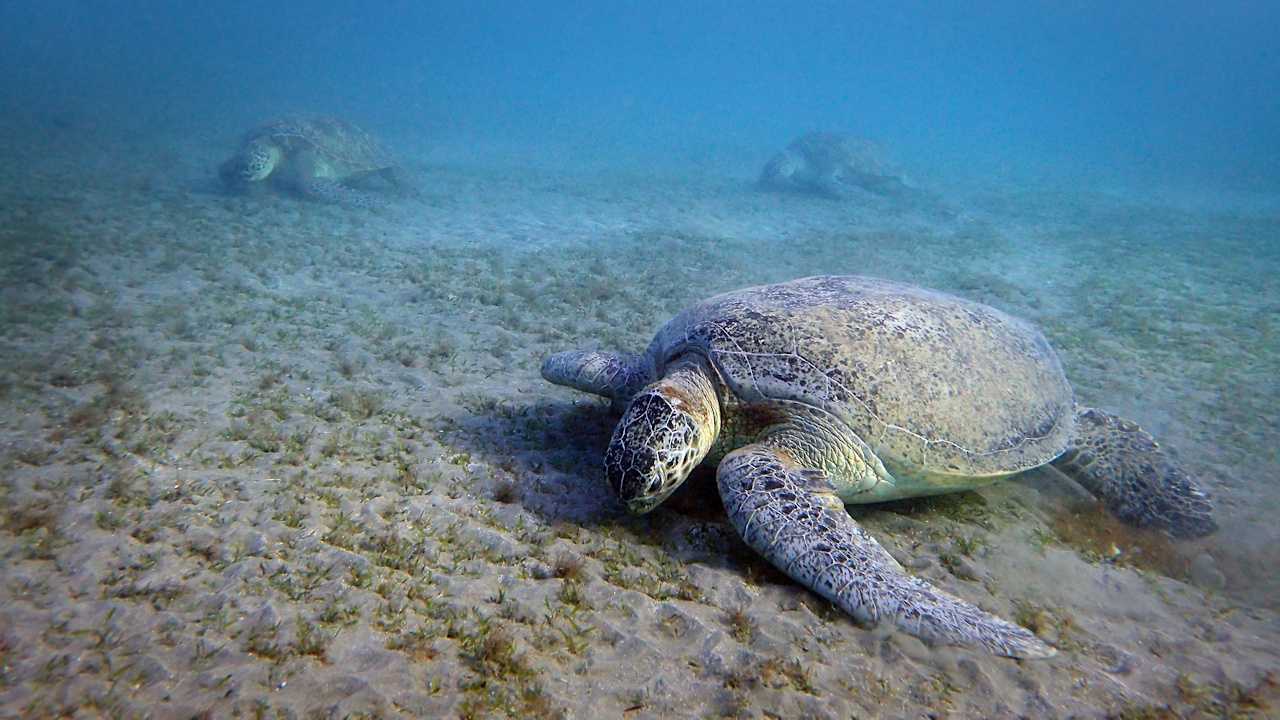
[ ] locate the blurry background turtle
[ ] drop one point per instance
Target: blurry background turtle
(313, 155)
(834, 165)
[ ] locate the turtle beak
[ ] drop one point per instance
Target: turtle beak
(635, 477)
(657, 492)
(642, 506)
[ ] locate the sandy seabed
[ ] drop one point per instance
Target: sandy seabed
(273, 459)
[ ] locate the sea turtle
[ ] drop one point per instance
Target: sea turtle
(313, 155)
(834, 165)
(831, 390)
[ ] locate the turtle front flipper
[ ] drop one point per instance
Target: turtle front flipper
(1117, 461)
(792, 517)
(617, 376)
(326, 190)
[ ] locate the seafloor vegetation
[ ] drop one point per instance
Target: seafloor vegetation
(264, 458)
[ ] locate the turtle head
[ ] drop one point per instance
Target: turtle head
(780, 172)
(666, 431)
(254, 162)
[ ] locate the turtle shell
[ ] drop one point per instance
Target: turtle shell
(826, 151)
(934, 384)
(345, 148)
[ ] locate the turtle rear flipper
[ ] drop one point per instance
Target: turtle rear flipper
(793, 518)
(1121, 464)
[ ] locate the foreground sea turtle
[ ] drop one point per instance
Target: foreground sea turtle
(833, 390)
(834, 165)
(313, 155)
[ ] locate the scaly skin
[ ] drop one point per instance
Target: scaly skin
(793, 518)
(665, 433)
(325, 190)
(617, 376)
(1117, 461)
(253, 163)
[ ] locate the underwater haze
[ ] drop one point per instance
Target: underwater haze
(1184, 90)
(278, 282)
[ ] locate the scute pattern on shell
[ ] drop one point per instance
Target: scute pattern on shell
(832, 149)
(933, 383)
(347, 148)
